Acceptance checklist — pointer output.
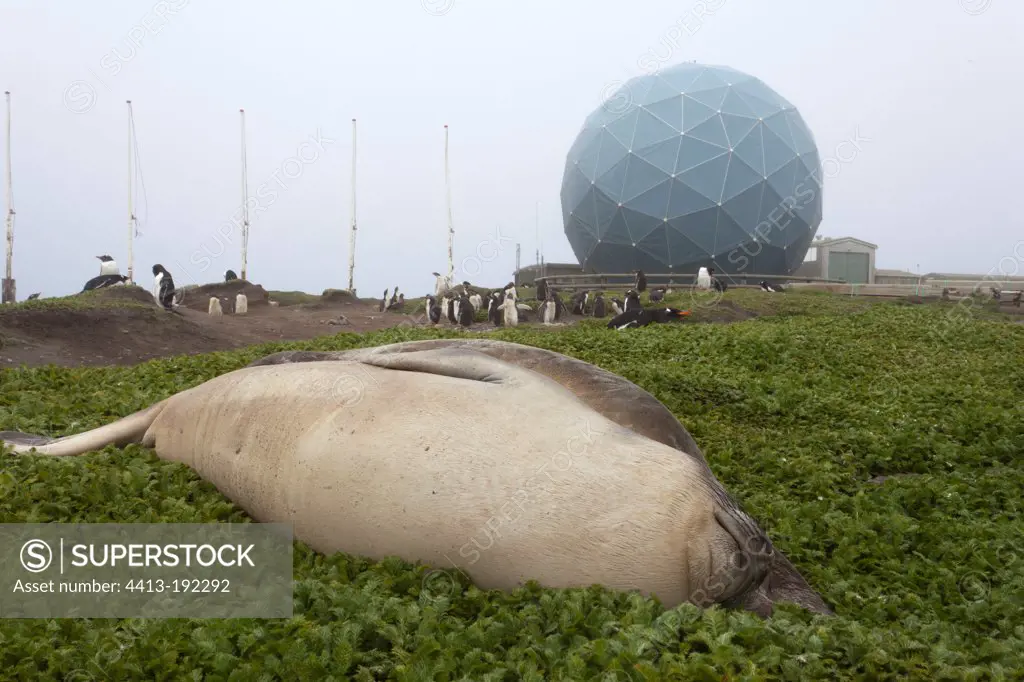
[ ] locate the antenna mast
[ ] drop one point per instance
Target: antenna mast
(352, 234)
(451, 228)
(245, 204)
(536, 236)
(131, 211)
(8, 295)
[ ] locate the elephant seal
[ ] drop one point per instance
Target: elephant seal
(618, 399)
(289, 442)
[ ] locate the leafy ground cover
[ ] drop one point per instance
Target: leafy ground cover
(801, 415)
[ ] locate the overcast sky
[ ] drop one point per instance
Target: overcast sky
(934, 87)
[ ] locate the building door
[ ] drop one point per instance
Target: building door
(850, 266)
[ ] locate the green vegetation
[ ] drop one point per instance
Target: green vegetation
(796, 412)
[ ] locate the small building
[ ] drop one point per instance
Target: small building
(527, 275)
(897, 277)
(844, 258)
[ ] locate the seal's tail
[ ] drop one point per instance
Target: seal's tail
(130, 429)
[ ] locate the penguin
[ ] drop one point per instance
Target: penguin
(477, 300)
(995, 293)
(542, 290)
(764, 286)
(230, 276)
(108, 266)
(560, 308)
(241, 304)
(511, 286)
(33, 297)
(383, 302)
(657, 295)
(465, 313)
(394, 299)
(641, 281)
(599, 306)
(524, 312)
(511, 312)
(719, 285)
(772, 288)
(104, 281)
(442, 285)
(579, 303)
(632, 301)
(448, 308)
(703, 279)
(163, 286)
(214, 307)
(494, 315)
(632, 319)
(548, 309)
(433, 310)
(400, 303)
(1016, 299)
(616, 306)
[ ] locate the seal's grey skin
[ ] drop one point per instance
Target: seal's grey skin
(617, 399)
(290, 442)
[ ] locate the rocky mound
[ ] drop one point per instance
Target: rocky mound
(198, 298)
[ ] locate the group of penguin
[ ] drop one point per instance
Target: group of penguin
(459, 305)
(163, 284)
(397, 301)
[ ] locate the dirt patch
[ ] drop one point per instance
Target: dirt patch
(198, 298)
(106, 332)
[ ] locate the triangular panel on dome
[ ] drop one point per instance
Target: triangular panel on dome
(624, 127)
(708, 178)
(784, 180)
(582, 144)
(641, 176)
(711, 131)
(707, 80)
(588, 159)
(760, 107)
(602, 208)
(662, 155)
(651, 130)
(768, 259)
(756, 88)
(640, 225)
(695, 113)
(618, 230)
(776, 152)
(693, 152)
(777, 124)
(669, 110)
(807, 202)
(811, 168)
(611, 152)
(802, 137)
(699, 228)
(731, 75)
(681, 76)
(739, 177)
(581, 241)
(684, 200)
(733, 104)
(653, 202)
(745, 208)
(712, 97)
(797, 251)
(794, 231)
(751, 151)
(635, 91)
(771, 218)
(737, 127)
(728, 234)
(611, 182)
(652, 251)
(607, 257)
(680, 248)
(660, 90)
(575, 185)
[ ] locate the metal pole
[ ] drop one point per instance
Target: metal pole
(536, 235)
(451, 228)
(352, 234)
(245, 204)
(8, 295)
(131, 211)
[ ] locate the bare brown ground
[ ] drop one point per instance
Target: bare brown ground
(125, 335)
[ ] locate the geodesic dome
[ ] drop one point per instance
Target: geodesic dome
(693, 166)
